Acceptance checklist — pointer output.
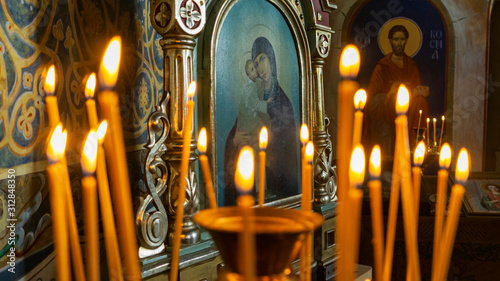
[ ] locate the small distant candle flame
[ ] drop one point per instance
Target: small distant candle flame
(304, 134)
(57, 145)
(101, 131)
(360, 99)
(202, 141)
(263, 138)
(357, 171)
(244, 176)
(403, 100)
(375, 157)
(428, 120)
(108, 71)
(191, 89)
(420, 111)
(309, 155)
(442, 118)
(349, 62)
(89, 153)
(445, 156)
(50, 81)
(462, 171)
(90, 86)
(418, 156)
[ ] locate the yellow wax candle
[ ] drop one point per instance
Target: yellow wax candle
(428, 143)
(442, 129)
(359, 105)
(262, 164)
(349, 67)
(307, 204)
(116, 154)
(304, 138)
(418, 126)
(418, 159)
(202, 148)
(448, 239)
(49, 87)
(434, 130)
(375, 187)
(442, 182)
(90, 102)
(409, 222)
(55, 152)
(244, 182)
(179, 214)
(91, 218)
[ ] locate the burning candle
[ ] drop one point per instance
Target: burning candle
(442, 182)
(262, 164)
(244, 182)
(434, 130)
(359, 105)
(179, 214)
(428, 143)
(402, 103)
(50, 99)
(91, 218)
(304, 138)
(418, 159)
(116, 154)
(55, 153)
(202, 148)
(450, 229)
(307, 206)
(349, 67)
(418, 126)
(442, 129)
(375, 187)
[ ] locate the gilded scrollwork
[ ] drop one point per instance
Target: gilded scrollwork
(181, 16)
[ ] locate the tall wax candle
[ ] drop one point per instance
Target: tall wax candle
(442, 129)
(116, 154)
(262, 164)
(111, 243)
(359, 105)
(418, 159)
(304, 138)
(202, 148)
(307, 205)
(349, 67)
(49, 87)
(434, 130)
(428, 142)
(55, 151)
(179, 214)
(375, 187)
(90, 218)
(418, 126)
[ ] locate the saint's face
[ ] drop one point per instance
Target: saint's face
(263, 67)
(252, 72)
(398, 43)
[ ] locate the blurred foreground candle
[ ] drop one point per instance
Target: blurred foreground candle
(181, 196)
(447, 241)
(349, 67)
(359, 105)
(442, 183)
(244, 182)
(202, 148)
(262, 164)
(402, 104)
(116, 154)
(375, 186)
(50, 99)
(91, 218)
(55, 153)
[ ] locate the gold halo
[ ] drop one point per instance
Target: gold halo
(484, 186)
(414, 39)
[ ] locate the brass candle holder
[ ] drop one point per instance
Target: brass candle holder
(279, 234)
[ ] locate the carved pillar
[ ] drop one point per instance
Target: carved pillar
(324, 173)
(179, 22)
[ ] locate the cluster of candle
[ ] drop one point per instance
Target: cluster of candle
(435, 143)
(93, 164)
(404, 178)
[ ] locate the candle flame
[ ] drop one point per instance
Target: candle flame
(445, 156)
(428, 120)
(309, 155)
(263, 138)
(50, 81)
(89, 153)
(90, 86)
(101, 131)
(442, 118)
(202, 141)
(244, 176)
(349, 62)
(420, 111)
(403, 100)
(191, 89)
(418, 156)
(357, 170)
(304, 134)
(360, 99)
(374, 168)
(462, 171)
(108, 71)
(433, 120)
(57, 145)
